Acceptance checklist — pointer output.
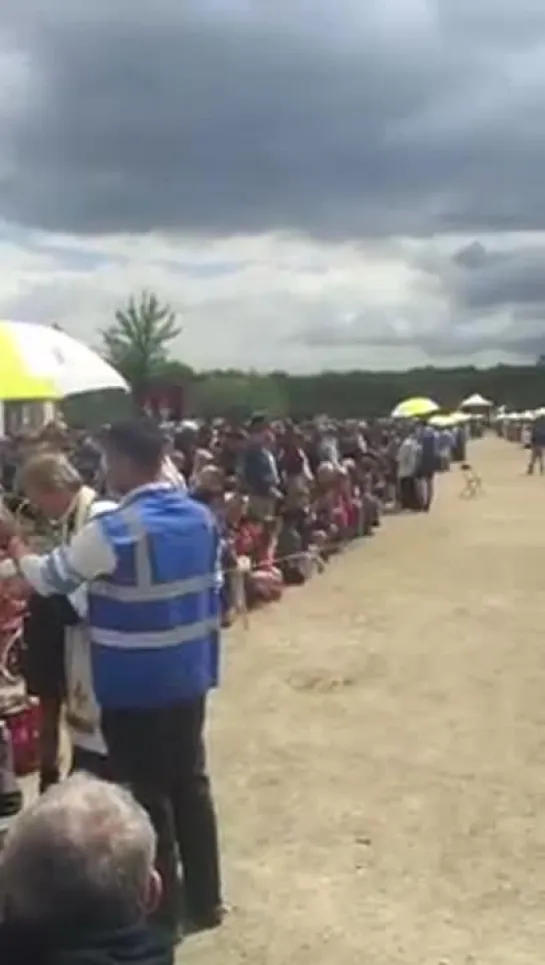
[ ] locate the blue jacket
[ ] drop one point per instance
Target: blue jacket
(154, 623)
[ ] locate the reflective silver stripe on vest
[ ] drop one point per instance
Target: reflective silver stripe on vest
(145, 590)
(155, 640)
(157, 591)
(142, 563)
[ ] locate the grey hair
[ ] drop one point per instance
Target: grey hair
(85, 847)
(50, 471)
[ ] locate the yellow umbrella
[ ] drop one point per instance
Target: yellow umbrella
(415, 408)
(461, 417)
(441, 421)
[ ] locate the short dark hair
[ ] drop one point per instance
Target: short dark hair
(140, 440)
(258, 422)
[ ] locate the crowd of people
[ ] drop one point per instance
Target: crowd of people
(152, 539)
(528, 430)
(286, 496)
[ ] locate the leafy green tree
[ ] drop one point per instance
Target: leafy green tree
(137, 343)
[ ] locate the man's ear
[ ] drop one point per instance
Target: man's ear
(155, 892)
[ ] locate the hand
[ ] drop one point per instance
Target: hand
(16, 548)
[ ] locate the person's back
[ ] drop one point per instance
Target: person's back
(154, 623)
(154, 620)
(408, 457)
(537, 436)
(429, 446)
(77, 881)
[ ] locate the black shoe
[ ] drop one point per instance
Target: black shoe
(205, 920)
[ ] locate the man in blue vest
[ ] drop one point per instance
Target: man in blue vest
(151, 569)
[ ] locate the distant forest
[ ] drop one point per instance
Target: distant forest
(358, 394)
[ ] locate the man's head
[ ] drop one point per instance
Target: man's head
(83, 853)
(134, 453)
(258, 429)
(50, 482)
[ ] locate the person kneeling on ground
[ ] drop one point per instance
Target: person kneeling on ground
(77, 880)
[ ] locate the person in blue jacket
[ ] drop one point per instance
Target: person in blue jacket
(151, 566)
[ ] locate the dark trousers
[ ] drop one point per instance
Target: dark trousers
(92, 763)
(160, 755)
(409, 497)
(427, 481)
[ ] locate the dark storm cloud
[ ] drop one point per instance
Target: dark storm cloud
(335, 117)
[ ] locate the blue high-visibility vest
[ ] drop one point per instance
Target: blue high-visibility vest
(154, 623)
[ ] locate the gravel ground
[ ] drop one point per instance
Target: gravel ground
(378, 746)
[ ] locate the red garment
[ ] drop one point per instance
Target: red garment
(340, 513)
(246, 538)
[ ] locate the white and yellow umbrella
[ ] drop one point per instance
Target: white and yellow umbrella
(442, 421)
(449, 419)
(38, 362)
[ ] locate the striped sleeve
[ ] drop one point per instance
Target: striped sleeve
(86, 557)
(59, 573)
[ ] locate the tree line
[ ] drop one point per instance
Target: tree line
(138, 344)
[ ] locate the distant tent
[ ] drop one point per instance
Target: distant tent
(476, 402)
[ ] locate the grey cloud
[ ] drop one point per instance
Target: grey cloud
(480, 284)
(245, 116)
(493, 299)
(489, 279)
(518, 339)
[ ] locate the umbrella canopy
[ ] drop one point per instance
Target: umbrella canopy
(476, 402)
(37, 362)
(415, 408)
(449, 419)
(441, 421)
(460, 417)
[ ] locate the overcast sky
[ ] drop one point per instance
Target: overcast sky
(312, 183)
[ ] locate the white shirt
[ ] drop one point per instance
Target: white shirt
(407, 457)
(86, 557)
(82, 709)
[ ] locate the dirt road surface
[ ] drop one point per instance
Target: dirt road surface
(378, 746)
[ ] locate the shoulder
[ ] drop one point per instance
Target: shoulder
(200, 512)
(99, 507)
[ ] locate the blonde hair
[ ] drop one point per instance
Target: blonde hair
(48, 471)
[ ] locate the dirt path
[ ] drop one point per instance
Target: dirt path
(379, 747)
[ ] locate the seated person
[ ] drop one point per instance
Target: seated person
(330, 518)
(295, 545)
(264, 581)
(349, 500)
